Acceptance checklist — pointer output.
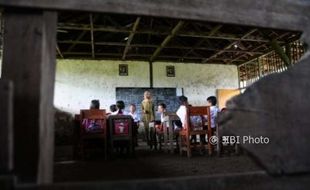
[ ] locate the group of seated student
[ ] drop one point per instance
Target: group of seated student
(197, 121)
(118, 109)
(211, 102)
(93, 126)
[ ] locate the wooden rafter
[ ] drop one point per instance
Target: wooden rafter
(166, 40)
(211, 33)
(92, 35)
(83, 33)
(131, 35)
(229, 45)
(193, 10)
(266, 52)
(74, 43)
(117, 55)
(280, 52)
(155, 46)
(58, 51)
(206, 35)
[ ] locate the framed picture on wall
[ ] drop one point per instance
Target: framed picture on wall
(170, 70)
(123, 70)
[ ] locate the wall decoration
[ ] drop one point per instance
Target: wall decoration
(123, 70)
(170, 70)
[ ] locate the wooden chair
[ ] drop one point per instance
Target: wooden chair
(159, 129)
(190, 130)
(96, 119)
(166, 133)
(121, 130)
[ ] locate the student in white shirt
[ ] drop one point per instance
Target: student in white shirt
(211, 101)
(136, 120)
(162, 110)
(133, 113)
(120, 105)
(181, 112)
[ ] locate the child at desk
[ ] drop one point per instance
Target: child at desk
(211, 101)
(136, 119)
(91, 125)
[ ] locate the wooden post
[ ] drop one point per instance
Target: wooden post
(6, 127)
(151, 74)
(278, 49)
(92, 35)
(29, 61)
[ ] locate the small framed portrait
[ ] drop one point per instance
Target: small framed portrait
(123, 70)
(170, 70)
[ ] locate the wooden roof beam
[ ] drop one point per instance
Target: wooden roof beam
(280, 52)
(229, 45)
(83, 33)
(166, 40)
(58, 51)
(155, 46)
(131, 35)
(99, 28)
(266, 52)
(141, 55)
(211, 33)
(92, 35)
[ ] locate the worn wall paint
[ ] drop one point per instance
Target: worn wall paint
(79, 81)
(198, 81)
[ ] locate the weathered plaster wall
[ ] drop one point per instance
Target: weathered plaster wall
(79, 81)
(198, 81)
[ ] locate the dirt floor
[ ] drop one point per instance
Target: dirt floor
(147, 164)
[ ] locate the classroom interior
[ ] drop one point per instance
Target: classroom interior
(206, 58)
(111, 57)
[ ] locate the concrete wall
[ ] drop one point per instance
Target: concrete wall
(198, 81)
(79, 81)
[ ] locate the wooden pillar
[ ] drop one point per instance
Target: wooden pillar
(6, 127)
(279, 50)
(29, 61)
(151, 74)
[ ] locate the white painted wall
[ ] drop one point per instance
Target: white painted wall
(79, 81)
(198, 81)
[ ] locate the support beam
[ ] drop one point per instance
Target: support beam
(151, 74)
(166, 40)
(268, 50)
(92, 35)
(288, 52)
(244, 11)
(155, 46)
(211, 33)
(74, 43)
(83, 33)
(132, 33)
(29, 60)
(6, 127)
(281, 53)
(100, 28)
(58, 51)
(117, 55)
(229, 45)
